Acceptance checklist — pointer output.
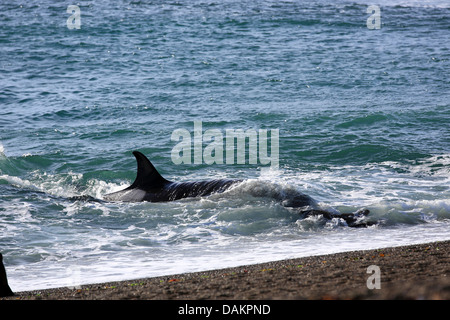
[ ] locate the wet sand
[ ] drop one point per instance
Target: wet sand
(407, 272)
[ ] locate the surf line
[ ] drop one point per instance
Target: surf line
(189, 147)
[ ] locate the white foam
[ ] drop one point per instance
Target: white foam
(62, 185)
(110, 241)
(16, 181)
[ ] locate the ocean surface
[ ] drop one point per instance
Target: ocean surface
(360, 98)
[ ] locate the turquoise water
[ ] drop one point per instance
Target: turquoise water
(362, 116)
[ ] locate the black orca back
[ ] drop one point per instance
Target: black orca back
(147, 176)
(149, 185)
(178, 190)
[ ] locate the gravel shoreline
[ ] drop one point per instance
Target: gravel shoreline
(407, 272)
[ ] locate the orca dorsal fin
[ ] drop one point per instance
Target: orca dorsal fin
(147, 176)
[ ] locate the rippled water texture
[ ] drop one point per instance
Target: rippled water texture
(362, 116)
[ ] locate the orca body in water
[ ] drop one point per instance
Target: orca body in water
(150, 186)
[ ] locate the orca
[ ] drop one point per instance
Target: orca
(150, 186)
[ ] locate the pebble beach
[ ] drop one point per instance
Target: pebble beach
(407, 272)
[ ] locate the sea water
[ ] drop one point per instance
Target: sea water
(359, 96)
